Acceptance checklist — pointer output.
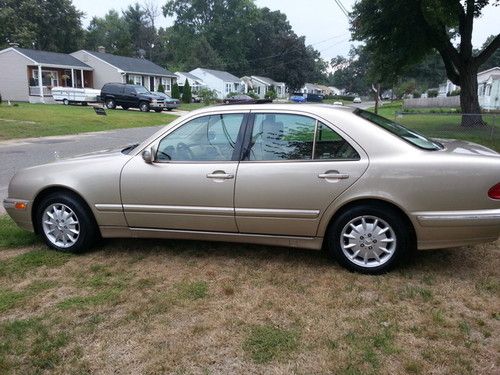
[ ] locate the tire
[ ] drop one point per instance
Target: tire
(144, 107)
(158, 110)
(169, 109)
(110, 104)
(373, 226)
(60, 232)
(65, 101)
(125, 107)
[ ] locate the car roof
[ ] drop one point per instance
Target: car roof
(313, 108)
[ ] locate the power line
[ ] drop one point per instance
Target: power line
(342, 7)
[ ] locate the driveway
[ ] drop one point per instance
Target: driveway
(18, 154)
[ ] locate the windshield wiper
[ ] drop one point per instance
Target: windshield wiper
(127, 149)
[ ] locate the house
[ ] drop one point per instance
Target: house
(488, 82)
(195, 82)
(219, 81)
(336, 91)
(488, 88)
(311, 88)
(447, 88)
(113, 68)
(29, 75)
(261, 85)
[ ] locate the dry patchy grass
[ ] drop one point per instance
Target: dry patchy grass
(154, 307)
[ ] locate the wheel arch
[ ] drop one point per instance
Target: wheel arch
(53, 189)
(372, 202)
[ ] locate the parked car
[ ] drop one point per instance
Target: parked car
(338, 103)
(357, 99)
(297, 98)
(314, 98)
(131, 96)
(306, 176)
(244, 99)
(170, 103)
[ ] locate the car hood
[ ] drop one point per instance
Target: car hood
(455, 146)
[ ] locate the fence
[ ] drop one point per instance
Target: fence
(438, 102)
(449, 125)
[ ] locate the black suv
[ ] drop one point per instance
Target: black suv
(131, 96)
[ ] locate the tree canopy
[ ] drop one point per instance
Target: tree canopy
(399, 34)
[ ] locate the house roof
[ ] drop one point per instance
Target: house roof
(132, 64)
(51, 58)
(224, 76)
(267, 81)
(189, 75)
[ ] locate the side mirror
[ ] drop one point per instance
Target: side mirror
(147, 155)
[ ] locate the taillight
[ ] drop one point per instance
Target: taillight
(494, 192)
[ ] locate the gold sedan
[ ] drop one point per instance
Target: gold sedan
(310, 176)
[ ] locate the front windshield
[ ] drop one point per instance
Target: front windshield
(406, 134)
(141, 90)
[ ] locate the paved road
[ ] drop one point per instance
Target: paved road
(15, 155)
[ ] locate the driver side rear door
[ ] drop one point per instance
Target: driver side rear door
(190, 185)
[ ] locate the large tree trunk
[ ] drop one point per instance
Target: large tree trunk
(469, 101)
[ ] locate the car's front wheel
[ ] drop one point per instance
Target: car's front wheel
(369, 239)
(65, 223)
(144, 107)
(110, 103)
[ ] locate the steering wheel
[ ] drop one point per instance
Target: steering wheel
(182, 147)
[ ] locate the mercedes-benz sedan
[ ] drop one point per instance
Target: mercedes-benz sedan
(312, 176)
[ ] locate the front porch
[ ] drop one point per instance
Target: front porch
(41, 79)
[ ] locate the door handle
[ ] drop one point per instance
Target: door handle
(220, 175)
(334, 175)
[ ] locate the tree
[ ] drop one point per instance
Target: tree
(186, 92)
(161, 88)
(401, 33)
(494, 59)
(175, 91)
(110, 31)
(47, 25)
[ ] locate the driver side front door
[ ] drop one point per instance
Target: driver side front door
(190, 185)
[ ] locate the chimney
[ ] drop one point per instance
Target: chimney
(101, 49)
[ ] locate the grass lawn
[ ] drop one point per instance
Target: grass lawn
(155, 307)
(39, 120)
(442, 125)
(191, 106)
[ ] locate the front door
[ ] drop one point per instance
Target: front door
(190, 185)
(152, 84)
(293, 170)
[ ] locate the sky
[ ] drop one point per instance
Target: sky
(321, 21)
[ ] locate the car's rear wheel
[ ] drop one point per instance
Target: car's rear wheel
(158, 110)
(65, 101)
(144, 107)
(65, 223)
(110, 103)
(369, 239)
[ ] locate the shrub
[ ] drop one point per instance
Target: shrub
(207, 96)
(252, 95)
(432, 93)
(271, 93)
(455, 92)
(175, 91)
(186, 92)
(161, 88)
(416, 94)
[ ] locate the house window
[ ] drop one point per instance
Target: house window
(49, 77)
(135, 79)
(228, 87)
(166, 83)
(258, 90)
(488, 90)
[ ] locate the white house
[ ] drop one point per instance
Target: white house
(261, 85)
(311, 88)
(195, 82)
(489, 88)
(221, 82)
